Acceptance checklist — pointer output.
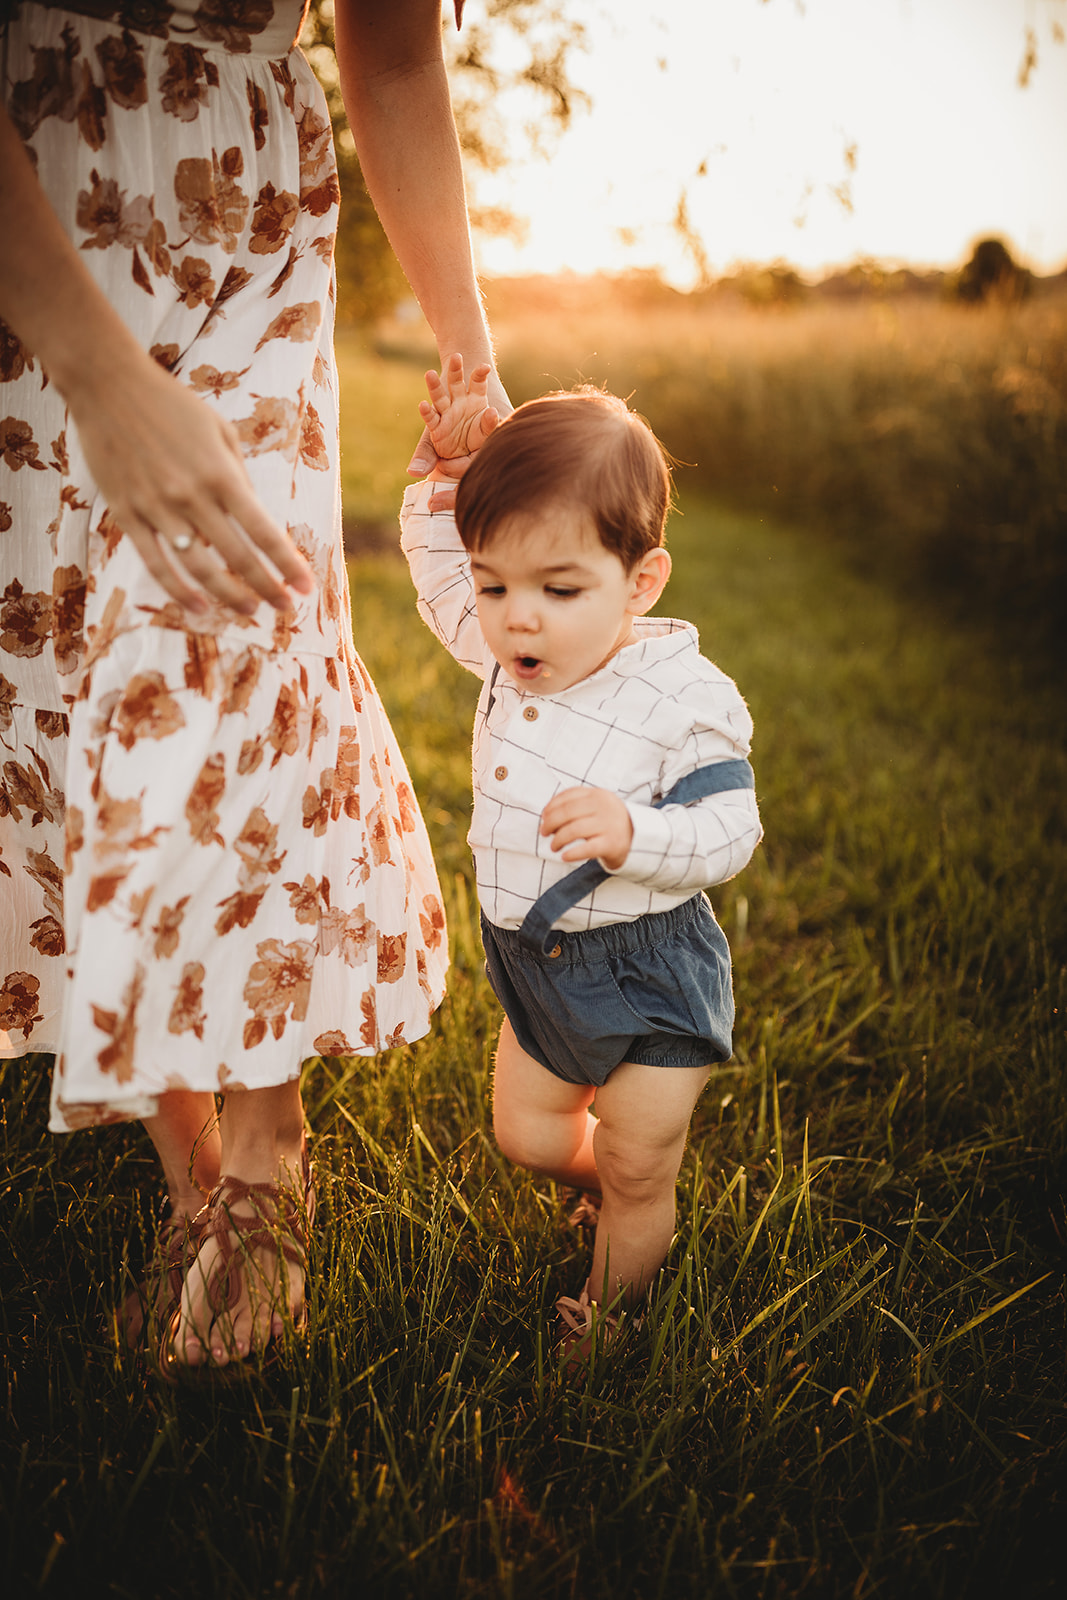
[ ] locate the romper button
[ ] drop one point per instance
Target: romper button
(557, 951)
(500, 774)
(530, 713)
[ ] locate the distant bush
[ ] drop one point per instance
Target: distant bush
(992, 273)
(931, 438)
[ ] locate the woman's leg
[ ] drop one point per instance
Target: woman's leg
(541, 1121)
(642, 1120)
(262, 1142)
(186, 1136)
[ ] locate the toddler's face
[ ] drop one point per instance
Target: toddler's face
(554, 605)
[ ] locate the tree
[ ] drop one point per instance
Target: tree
(992, 273)
(519, 54)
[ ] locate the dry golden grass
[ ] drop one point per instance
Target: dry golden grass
(929, 436)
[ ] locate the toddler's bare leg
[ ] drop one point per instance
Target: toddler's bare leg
(642, 1119)
(541, 1121)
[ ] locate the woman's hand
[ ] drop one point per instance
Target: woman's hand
(172, 473)
(395, 89)
(587, 824)
(168, 466)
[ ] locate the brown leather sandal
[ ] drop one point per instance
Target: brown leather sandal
(588, 1329)
(586, 1213)
(281, 1219)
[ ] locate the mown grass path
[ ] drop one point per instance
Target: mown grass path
(852, 1379)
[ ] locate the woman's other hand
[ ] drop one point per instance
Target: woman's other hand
(172, 473)
(168, 466)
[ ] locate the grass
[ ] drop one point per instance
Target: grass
(851, 1380)
(380, 421)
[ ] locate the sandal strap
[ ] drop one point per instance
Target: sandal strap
(277, 1218)
(577, 1314)
(586, 1213)
(280, 1219)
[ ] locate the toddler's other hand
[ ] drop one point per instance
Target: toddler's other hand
(589, 825)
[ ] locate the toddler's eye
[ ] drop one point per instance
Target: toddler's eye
(559, 593)
(493, 589)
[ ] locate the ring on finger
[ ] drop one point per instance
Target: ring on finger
(182, 542)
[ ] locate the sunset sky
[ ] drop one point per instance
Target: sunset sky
(752, 107)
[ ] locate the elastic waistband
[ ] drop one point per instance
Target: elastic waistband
(610, 941)
(228, 29)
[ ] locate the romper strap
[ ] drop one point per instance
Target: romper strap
(536, 930)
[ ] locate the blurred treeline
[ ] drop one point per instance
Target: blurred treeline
(513, 54)
(925, 431)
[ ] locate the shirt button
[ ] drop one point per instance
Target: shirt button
(557, 951)
(530, 713)
(500, 774)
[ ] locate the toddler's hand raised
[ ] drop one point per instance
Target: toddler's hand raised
(587, 825)
(458, 416)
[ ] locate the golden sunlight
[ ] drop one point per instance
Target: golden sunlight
(815, 131)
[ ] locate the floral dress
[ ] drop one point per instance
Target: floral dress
(212, 864)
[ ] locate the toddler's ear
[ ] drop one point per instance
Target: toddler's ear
(648, 581)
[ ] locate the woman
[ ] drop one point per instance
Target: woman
(213, 861)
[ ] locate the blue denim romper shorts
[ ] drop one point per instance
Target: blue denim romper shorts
(656, 990)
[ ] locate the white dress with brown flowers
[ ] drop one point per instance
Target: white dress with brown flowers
(212, 864)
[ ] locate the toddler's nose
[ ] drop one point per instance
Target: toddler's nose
(522, 617)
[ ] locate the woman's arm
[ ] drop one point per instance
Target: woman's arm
(168, 466)
(396, 97)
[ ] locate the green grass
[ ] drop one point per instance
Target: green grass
(851, 1380)
(380, 426)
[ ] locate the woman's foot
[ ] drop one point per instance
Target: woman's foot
(248, 1278)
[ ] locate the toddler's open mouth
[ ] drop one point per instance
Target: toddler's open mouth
(527, 666)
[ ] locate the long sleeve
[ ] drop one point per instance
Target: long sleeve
(440, 570)
(691, 847)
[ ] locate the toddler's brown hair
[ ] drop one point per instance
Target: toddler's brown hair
(579, 447)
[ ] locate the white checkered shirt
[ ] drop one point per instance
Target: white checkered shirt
(656, 711)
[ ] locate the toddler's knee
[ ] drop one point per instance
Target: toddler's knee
(516, 1140)
(637, 1176)
(509, 1141)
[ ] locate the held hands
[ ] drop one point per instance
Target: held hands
(458, 419)
(587, 825)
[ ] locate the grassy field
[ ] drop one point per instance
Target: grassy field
(851, 1380)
